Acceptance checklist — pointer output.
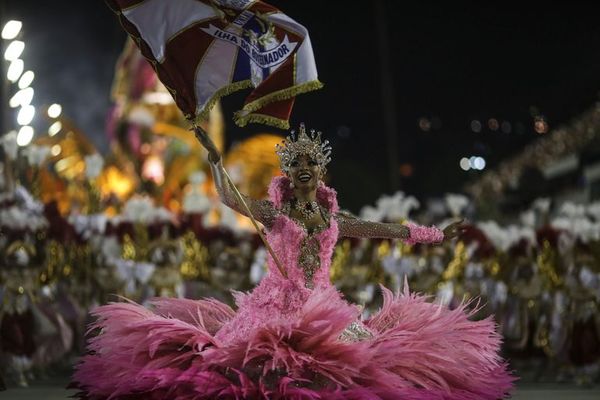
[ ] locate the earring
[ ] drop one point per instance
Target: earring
(291, 185)
(321, 183)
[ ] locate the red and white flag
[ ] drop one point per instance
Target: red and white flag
(202, 50)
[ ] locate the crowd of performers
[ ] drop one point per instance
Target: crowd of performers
(540, 277)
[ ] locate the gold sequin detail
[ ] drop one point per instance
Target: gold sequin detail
(309, 259)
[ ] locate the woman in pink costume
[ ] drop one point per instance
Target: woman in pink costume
(295, 337)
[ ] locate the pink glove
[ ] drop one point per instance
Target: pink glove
(423, 234)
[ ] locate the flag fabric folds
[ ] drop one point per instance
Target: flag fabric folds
(202, 50)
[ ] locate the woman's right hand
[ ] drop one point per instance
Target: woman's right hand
(213, 153)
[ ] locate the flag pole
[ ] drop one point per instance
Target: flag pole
(199, 131)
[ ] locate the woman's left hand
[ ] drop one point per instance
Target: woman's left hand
(455, 229)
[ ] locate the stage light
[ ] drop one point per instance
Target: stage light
(15, 101)
(54, 110)
(154, 169)
(479, 163)
(24, 136)
(472, 161)
(55, 150)
(15, 69)
(11, 29)
(21, 98)
(26, 96)
(14, 50)
(26, 79)
(26, 114)
(425, 124)
(476, 126)
(465, 165)
(54, 128)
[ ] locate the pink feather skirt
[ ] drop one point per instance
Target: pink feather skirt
(418, 350)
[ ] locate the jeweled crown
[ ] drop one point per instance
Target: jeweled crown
(309, 144)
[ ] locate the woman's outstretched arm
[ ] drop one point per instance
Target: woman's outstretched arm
(350, 226)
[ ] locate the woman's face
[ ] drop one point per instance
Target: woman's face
(305, 172)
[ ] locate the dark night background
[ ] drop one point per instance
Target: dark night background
(451, 63)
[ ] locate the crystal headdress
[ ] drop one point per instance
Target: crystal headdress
(304, 143)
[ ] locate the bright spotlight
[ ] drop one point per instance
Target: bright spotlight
(15, 69)
(55, 150)
(24, 136)
(11, 29)
(26, 79)
(15, 101)
(54, 128)
(479, 163)
(472, 162)
(14, 50)
(21, 98)
(54, 110)
(465, 165)
(25, 115)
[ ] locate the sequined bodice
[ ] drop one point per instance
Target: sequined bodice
(306, 253)
(309, 260)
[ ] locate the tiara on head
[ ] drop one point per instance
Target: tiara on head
(304, 143)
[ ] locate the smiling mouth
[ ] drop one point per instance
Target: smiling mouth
(304, 177)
